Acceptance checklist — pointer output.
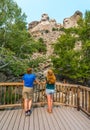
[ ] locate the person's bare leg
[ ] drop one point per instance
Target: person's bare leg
(26, 104)
(49, 103)
(30, 104)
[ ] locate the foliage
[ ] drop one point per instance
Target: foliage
(34, 63)
(54, 29)
(70, 62)
(16, 44)
(46, 31)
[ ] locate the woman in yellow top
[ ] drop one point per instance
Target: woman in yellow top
(50, 89)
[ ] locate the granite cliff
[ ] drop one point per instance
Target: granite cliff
(50, 30)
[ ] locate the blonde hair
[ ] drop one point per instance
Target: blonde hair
(51, 77)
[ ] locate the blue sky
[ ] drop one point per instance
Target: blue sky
(56, 9)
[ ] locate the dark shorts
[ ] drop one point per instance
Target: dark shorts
(27, 93)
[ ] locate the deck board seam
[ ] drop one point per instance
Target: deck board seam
(64, 119)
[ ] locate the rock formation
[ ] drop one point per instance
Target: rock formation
(45, 25)
(50, 30)
(72, 21)
(44, 29)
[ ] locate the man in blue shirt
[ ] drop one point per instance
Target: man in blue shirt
(28, 80)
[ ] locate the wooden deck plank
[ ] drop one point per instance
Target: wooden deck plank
(83, 122)
(9, 120)
(71, 119)
(82, 116)
(54, 121)
(13, 120)
(26, 123)
(31, 121)
(45, 122)
(4, 119)
(62, 118)
(2, 113)
(36, 121)
(18, 119)
(40, 120)
(50, 120)
(75, 116)
(22, 121)
(59, 119)
(77, 122)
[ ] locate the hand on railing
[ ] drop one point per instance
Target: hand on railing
(43, 83)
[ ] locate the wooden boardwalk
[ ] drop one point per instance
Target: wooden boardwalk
(62, 118)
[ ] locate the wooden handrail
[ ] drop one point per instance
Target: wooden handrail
(65, 94)
(11, 83)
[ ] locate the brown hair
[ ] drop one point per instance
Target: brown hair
(29, 70)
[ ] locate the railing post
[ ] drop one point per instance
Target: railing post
(78, 98)
(89, 102)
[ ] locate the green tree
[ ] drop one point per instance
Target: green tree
(72, 63)
(16, 44)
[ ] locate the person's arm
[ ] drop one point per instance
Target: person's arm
(23, 82)
(23, 79)
(36, 81)
(43, 82)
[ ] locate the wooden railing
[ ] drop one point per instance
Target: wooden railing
(10, 94)
(84, 99)
(65, 94)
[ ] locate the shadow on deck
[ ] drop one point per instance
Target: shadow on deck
(62, 118)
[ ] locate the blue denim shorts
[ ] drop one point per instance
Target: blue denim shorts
(50, 91)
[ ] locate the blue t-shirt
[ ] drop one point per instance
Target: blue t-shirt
(29, 79)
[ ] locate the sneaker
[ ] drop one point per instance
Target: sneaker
(29, 112)
(26, 113)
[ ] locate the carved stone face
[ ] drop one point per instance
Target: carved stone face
(67, 22)
(72, 21)
(45, 17)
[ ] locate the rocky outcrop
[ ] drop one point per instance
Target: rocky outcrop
(37, 28)
(44, 25)
(49, 30)
(33, 24)
(46, 28)
(72, 21)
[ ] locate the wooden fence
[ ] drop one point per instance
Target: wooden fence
(65, 94)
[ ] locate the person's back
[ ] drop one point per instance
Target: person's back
(29, 79)
(50, 89)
